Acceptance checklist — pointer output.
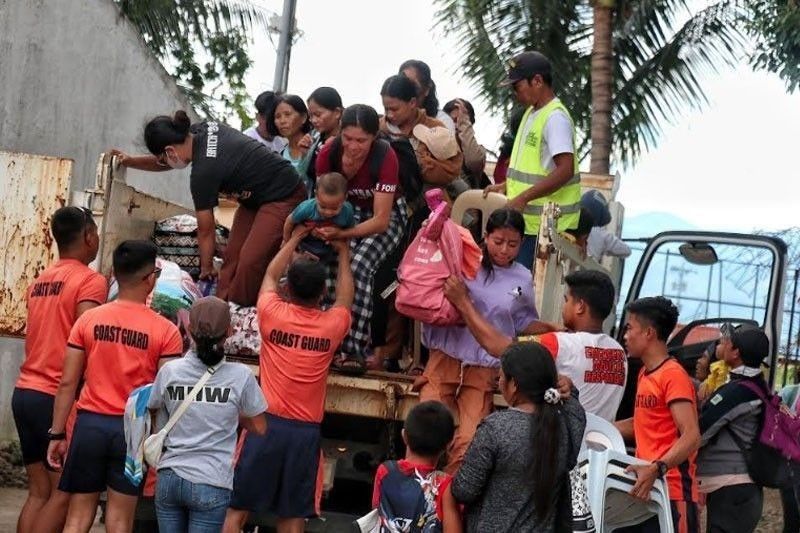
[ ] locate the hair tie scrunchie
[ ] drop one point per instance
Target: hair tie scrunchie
(552, 396)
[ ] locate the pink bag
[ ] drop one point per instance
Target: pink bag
(434, 255)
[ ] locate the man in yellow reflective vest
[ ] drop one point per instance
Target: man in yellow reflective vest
(543, 166)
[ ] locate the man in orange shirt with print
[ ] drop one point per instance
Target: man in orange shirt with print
(280, 471)
(116, 347)
(55, 300)
(664, 422)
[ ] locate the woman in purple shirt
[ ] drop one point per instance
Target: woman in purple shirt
(460, 373)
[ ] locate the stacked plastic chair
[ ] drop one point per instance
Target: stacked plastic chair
(603, 460)
(473, 199)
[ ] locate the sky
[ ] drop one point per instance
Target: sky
(734, 165)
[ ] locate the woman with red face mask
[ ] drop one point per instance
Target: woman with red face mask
(226, 162)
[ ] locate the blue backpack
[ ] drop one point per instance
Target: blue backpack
(408, 502)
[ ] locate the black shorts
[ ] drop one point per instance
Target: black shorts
(277, 472)
(96, 457)
(33, 416)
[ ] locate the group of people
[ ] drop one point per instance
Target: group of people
(325, 201)
(387, 161)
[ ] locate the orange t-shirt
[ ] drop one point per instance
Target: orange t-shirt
(52, 310)
(654, 428)
(297, 347)
(123, 342)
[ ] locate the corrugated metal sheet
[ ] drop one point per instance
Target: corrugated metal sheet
(32, 187)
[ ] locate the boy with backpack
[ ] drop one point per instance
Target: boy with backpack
(411, 494)
(730, 422)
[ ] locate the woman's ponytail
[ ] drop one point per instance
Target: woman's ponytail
(163, 131)
(531, 367)
(181, 122)
(209, 350)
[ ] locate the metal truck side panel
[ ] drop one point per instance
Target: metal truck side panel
(32, 188)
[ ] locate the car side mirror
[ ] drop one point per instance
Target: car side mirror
(698, 253)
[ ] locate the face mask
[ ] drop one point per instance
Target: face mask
(176, 163)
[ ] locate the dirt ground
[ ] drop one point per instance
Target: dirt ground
(12, 496)
(11, 500)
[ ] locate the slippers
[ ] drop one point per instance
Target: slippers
(351, 365)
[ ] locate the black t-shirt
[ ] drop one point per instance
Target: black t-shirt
(228, 162)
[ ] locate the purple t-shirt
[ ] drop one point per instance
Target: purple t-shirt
(506, 300)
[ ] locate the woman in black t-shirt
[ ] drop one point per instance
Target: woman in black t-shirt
(229, 163)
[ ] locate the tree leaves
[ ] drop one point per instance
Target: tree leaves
(662, 50)
(775, 26)
(203, 43)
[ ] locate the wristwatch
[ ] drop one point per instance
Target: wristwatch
(662, 468)
(56, 436)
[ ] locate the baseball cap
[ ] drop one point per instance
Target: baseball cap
(439, 140)
(752, 343)
(597, 206)
(209, 317)
(525, 66)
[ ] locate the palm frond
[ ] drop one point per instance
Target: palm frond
(658, 75)
(203, 43)
(662, 53)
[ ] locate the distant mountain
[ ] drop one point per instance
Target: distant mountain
(649, 224)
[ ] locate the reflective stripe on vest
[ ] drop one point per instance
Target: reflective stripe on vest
(525, 170)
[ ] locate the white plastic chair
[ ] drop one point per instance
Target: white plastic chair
(601, 434)
(609, 486)
(473, 199)
(602, 461)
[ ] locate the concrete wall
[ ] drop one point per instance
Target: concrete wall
(75, 80)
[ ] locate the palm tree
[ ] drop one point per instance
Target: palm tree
(624, 66)
(602, 76)
(203, 43)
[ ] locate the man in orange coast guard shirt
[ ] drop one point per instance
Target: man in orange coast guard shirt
(279, 472)
(55, 300)
(116, 347)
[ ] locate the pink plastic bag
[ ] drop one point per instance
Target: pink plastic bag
(434, 255)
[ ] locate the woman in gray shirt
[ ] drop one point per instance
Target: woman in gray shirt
(195, 472)
(515, 475)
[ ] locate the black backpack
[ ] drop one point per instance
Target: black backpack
(409, 173)
(407, 502)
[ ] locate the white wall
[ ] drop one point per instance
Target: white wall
(75, 80)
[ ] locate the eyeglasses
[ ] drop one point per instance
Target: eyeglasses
(88, 216)
(156, 271)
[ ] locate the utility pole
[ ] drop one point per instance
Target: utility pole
(679, 285)
(281, 79)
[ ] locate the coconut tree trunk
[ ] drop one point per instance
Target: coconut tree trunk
(602, 77)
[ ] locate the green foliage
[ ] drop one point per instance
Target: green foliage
(661, 51)
(203, 43)
(775, 27)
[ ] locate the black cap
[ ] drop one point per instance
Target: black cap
(525, 66)
(753, 345)
(597, 205)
